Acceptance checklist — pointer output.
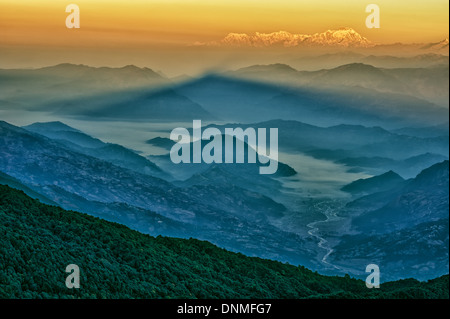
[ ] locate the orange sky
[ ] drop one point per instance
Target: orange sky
(138, 21)
(114, 24)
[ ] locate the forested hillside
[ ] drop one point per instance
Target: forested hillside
(38, 241)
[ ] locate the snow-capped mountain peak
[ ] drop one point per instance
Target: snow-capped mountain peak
(346, 37)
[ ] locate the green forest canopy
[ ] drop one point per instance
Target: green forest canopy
(39, 241)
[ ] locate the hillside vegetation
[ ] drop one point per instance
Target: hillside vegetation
(39, 241)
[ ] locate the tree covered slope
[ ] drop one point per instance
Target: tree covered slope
(38, 241)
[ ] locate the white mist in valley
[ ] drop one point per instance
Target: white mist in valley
(316, 178)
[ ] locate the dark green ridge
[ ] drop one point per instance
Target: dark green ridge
(38, 241)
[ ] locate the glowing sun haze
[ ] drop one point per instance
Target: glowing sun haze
(130, 26)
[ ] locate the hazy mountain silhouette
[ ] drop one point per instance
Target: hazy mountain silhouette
(424, 198)
(430, 83)
(233, 99)
(409, 225)
(74, 180)
(85, 144)
(35, 87)
(384, 182)
(134, 105)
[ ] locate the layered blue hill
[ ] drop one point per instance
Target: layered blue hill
(85, 144)
(96, 186)
(405, 229)
(387, 181)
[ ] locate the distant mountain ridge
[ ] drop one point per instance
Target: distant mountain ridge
(409, 224)
(235, 99)
(83, 143)
(344, 37)
(126, 93)
(441, 45)
(137, 104)
(429, 84)
(384, 182)
(424, 198)
(353, 139)
(37, 89)
(88, 77)
(126, 76)
(54, 126)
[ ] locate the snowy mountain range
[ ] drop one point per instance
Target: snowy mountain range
(345, 37)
